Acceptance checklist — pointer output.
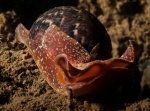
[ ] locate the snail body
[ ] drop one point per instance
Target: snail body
(73, 51)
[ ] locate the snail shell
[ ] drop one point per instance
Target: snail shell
(79, 25)
(73, 51)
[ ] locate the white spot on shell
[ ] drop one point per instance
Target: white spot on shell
(61, 13)
(83, 40)
(77, 25)
(62, 21)
(75, 32)
(50, 14)
(40, 18)
(55, 13)
(49, 21)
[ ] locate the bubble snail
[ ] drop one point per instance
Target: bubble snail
(73, 52)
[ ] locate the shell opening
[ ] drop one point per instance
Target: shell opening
(69, 74)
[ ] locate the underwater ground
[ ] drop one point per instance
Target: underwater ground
(22, 87)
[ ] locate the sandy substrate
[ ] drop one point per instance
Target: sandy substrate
(22, 87)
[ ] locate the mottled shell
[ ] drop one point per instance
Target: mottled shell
(78, 24)
(72, 50)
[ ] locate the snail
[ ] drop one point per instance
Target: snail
(73, 51)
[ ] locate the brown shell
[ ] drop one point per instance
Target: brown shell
(78, 24)
(60, 41)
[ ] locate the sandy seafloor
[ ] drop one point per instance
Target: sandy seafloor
(22, 87)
